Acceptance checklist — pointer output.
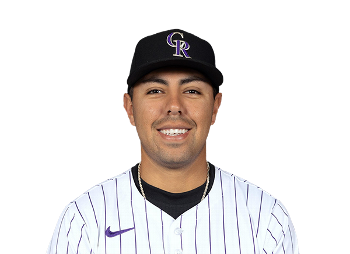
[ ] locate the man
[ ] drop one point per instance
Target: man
(174, 201)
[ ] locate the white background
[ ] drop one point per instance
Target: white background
(325, 106)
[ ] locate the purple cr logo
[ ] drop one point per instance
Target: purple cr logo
(179, 45)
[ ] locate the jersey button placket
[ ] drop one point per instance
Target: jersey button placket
(178, 231)
(176, 238)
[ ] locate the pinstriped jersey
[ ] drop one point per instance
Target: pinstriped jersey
(235, 217)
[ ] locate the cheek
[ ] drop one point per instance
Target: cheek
(145, 114)
(202, 115)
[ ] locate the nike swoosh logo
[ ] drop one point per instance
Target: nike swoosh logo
(109, 233)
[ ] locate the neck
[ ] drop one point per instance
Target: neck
(174, 180)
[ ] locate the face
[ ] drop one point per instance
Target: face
(172, 109)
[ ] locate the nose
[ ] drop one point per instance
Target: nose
(174, 105)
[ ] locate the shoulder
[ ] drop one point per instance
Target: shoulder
(269, 218)
(83, 218)
(94, 198)
(125, 176)
(280, 233)
(250, 199)
(251, 194)
(100, 189)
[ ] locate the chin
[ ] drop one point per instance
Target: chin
(173, 162)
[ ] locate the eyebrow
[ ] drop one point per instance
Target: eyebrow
(187, 80)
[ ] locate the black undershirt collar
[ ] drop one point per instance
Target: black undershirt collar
(173, 204)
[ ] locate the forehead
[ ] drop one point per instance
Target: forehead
(174, 73)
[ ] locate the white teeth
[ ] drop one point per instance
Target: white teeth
(173, 132)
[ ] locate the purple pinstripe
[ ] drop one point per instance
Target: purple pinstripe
(283, 210)
(59, 230)
(257, 230)
(281, 228)
(81, 235)
(209, 226)
(223, 212)
(277, 221)
(132, 210)
(116, 196)
(272, 236)
(149, 243)
(291, 238)
(93, 208)
(161, 218)
(239, 238)
(76, 205)
(251, 227)
(104, 230)
(274, 204)
(70, 225)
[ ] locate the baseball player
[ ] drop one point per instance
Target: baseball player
(174, 201)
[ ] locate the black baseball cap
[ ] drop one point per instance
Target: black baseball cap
(173, 48)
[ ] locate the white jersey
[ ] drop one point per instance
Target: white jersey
(235, 217)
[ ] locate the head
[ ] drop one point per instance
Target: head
(173, 100)
(173, 109)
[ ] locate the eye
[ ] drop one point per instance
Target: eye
(154, 91)
(192, 91)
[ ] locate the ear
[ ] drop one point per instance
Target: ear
(129, 108)
(217, 103)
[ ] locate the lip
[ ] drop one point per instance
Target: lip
(168, 127)
(178, 137)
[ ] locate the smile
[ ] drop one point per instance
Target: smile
(173, 132)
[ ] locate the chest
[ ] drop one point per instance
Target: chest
(203, 229)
